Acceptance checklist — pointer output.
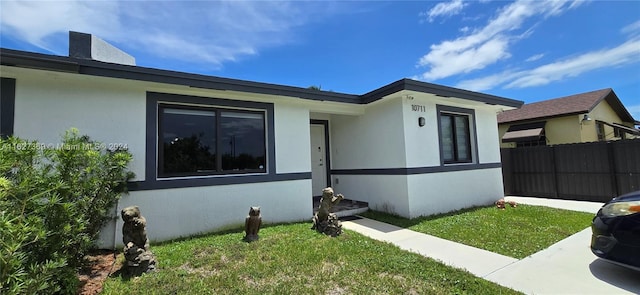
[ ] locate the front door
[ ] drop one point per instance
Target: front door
(318, 158)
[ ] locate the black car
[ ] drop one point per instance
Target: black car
(616, 231)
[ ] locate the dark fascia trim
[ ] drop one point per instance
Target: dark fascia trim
(617, 106)
(215, 181)
(439, 90)
(9, 57)
(383, 91)
(416, 170)
(327, 147)
(151, 179)
(7, 106)
(103, 69)
(528, 120)
(97, 68)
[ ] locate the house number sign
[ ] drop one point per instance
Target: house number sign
(418, 108)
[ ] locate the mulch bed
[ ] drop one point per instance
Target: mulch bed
(101, 264)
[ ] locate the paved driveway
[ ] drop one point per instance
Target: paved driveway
(567, 267)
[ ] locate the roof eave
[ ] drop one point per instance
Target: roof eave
(614, 102)
(16, 58)
(439, 90)
(543, 118)
(103, 69)
(25, 59)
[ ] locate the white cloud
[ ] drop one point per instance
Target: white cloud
(628, 52)
(36, 20)
(444, 9)
(210, 32)
(489, 44)
(535, 57)
(624, 54)
(487, 82)
(446, 61)
(632, 29)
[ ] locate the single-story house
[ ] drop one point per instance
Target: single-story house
(207, 148)
(585, 117)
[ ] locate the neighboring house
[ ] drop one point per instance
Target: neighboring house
(207, 148)
(585, 117)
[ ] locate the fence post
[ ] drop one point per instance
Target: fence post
(554, 163)
(507, 170)
(612, 168)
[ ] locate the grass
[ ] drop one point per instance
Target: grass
(292, 259)
(515, 232)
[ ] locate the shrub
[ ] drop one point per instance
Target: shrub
(53, 202)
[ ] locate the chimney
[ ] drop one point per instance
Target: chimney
(87, 46)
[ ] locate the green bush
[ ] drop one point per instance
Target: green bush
(53, 202)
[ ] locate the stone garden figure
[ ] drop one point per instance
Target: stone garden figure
(252, 224)
(324, 221)
(500, 204)
(139, 259)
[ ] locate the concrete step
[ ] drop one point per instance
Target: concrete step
(346, 207)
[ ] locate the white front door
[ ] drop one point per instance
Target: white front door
(318, 159)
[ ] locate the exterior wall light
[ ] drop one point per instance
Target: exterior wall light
(585, 119)
(421, 121)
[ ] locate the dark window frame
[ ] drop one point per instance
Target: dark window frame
(219, 162)
(472, 146)
(152, 177)
(600, 131)
(7, 106)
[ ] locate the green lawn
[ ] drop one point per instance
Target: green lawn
(515, 232)
(292, 259)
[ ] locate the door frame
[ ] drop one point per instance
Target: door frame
(327, 152)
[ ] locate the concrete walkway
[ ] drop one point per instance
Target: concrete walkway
(567, 267)
(589, 207)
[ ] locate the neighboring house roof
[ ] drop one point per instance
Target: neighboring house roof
(564, 106)
(25, 59)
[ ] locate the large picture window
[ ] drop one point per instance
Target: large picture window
(456, 135)
(196, 141)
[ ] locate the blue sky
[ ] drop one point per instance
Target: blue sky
(525, 50)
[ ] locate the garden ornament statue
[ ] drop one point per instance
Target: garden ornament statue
(500, 204)
(324, 221)
(139, 259)
(252, 224)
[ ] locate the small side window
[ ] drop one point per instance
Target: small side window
(457, 135)
(455, 138)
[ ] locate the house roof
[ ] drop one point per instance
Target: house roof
(18, 58)
(564, 106)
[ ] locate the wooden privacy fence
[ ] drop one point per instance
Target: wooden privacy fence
(597, 171)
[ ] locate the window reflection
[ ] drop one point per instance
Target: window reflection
(206, 141)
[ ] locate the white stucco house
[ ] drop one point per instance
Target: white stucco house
(207, 148)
